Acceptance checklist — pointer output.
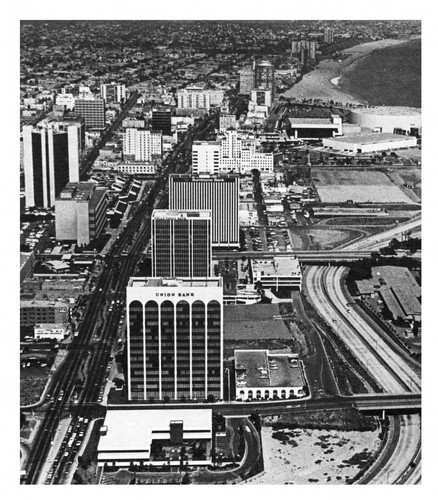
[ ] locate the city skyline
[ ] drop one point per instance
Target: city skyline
(231, 258)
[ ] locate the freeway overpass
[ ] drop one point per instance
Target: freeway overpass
(363, 402)
(409, 401)
(305, 256)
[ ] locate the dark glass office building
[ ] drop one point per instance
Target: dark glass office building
(175, 338)
(181, 244)
(162, 120)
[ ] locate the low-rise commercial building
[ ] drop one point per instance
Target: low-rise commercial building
(155, 437)
(137, 168)
(51, 331)
(277, 272)
(315, 128)
(33, 312)
(80, 212)
(262, 375)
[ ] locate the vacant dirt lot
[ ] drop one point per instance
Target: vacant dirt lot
(303, 456)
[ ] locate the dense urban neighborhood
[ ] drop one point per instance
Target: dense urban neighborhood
(220, 252)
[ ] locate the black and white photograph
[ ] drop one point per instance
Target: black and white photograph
(220, 248)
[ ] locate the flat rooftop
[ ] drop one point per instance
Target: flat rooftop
(374, 138)
(277, 266)
(181, 214)
(311, 121)
(132, 431)
(262, 369)
(175, 282)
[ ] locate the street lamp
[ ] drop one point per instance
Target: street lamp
(228, 383)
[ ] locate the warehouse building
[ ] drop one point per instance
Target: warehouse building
(388, 118)
(370, 143)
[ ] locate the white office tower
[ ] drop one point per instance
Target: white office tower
(142, 145)
(205, 157)
(218, 193)
(51, 158)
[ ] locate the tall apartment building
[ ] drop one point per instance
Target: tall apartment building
(51, 157)
(174, 338)
(227, 121)
(181, 243)
(113, 92)
(328, 35)
(142, 144)
(206, 157)
(220, 194)
(93, 111)
(305, 50)
(261, 97)
(246, 82)
(193, 98)
(162, 120)
(80, 213)
(264, 76)
(216, 97)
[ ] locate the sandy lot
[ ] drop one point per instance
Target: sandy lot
(340, 185)
(302, 456)
(318, 83)
(362, 194)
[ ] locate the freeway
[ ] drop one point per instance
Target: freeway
(399, 462)
(119, 266)
(374, 351)
(383, 360)
(379, 240)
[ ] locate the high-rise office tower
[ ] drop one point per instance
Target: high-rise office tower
(220, 194)
(246, 80)
(113, 92)
(141, 144)
(162, 120)
(181, 244)
(328, 35)
(174, 338)
(51, 157)
(93, 111)
(264, 77)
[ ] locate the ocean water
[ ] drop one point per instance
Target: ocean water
(389, 77)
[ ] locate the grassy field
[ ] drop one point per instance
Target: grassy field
(33, 379)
